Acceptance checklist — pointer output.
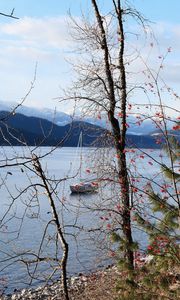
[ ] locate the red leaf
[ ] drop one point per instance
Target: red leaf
(176, 127)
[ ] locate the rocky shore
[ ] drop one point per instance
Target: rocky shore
(78, 285)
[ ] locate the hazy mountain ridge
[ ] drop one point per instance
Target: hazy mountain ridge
(57, 117)
(61, 118)
(37, 131)
(19, 128)
(49, 127)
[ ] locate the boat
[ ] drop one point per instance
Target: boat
(84, 187)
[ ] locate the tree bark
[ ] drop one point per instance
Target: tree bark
(60, 233)
(119, 130)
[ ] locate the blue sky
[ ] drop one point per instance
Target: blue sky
(41, 35)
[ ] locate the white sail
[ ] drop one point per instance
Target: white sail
(83, 186)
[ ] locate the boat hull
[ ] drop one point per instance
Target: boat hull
(84, 188)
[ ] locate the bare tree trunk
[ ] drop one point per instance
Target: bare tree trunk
(60, 233)
(119, 133)
(122, 161)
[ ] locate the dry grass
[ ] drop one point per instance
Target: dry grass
(99, 286)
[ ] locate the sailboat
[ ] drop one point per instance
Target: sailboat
(84, 186)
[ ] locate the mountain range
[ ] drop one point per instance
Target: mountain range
(32, 126)
(60, 118)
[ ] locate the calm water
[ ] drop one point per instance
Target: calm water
(22, 229)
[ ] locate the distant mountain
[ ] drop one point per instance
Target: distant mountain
(147, 127)
(144, 128)
(159, 133)
(61, 118)
(57, 117)
(17, 129)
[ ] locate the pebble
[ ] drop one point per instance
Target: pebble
(54, 291)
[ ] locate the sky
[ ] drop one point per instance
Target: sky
(41, 35)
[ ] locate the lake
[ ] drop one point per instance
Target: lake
(25, 211)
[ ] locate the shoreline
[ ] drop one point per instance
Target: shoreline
(76, 286)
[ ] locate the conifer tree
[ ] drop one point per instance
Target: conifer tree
(163, 227)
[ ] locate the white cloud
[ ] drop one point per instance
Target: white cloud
(46, 40)
(22, 44)
(45, 32)
(167, 35)
(28, 53)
